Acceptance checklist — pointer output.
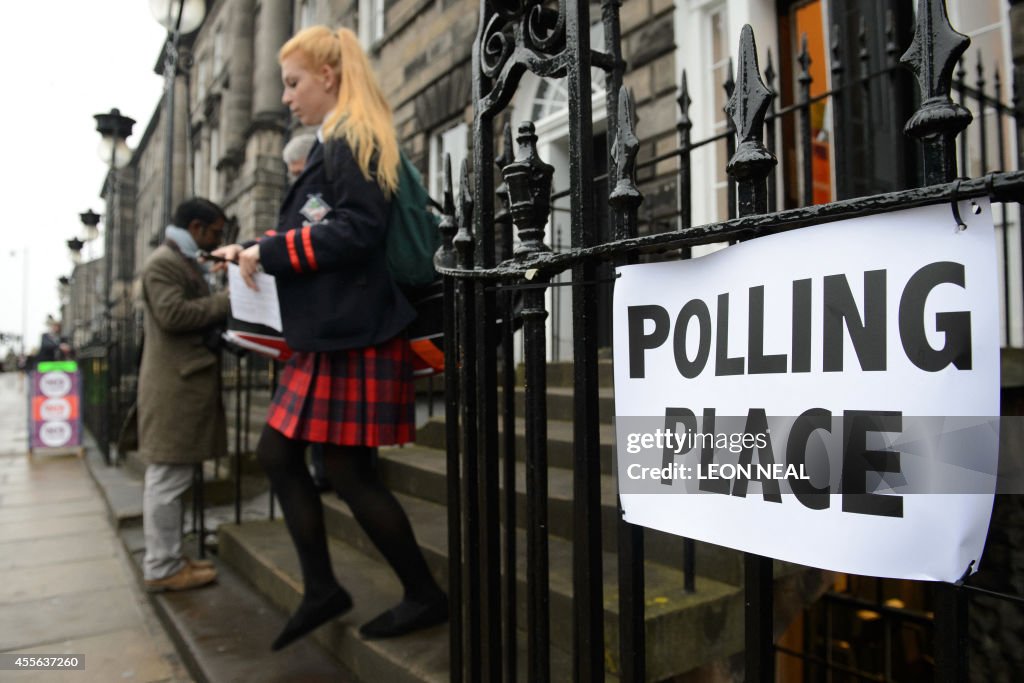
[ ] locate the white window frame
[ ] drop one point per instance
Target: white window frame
(307, 13)
(218, 51)
(453, 140)
(213, 191)
(371, 22)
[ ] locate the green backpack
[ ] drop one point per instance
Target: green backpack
(413, 235)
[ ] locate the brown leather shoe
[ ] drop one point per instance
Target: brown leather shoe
(198, 564)
(187, 577)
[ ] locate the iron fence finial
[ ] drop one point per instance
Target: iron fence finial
(445, 257)
(684, 102)
(463, 240)
(747, 108)
(625, 197)
(932, 55)
(529, 189)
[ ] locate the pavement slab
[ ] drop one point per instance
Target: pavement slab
(66, 584)
(66, 578)
(33, 622)
(37, 552)
(124, 655)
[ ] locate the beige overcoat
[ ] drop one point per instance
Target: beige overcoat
(181, 415)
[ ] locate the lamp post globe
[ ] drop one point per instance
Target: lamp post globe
(75, 247)
(178, 16)
(90, 220)
(114, 128)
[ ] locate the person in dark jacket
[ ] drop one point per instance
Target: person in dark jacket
(52, 345)
(349, 384)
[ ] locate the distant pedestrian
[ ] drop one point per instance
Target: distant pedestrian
(349, 384)
(52, 345)
(295, 153)
(180, 414)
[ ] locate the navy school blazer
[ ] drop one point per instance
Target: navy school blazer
(329, 260)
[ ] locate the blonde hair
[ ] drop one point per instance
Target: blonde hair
(362, 116)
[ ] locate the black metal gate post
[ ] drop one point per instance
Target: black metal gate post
(529, 190)
(445, 258)
(588, 598)
(485, 384)
(503, 222)
(625, 199)
(750, 166)
(464, 302)
(932, 55)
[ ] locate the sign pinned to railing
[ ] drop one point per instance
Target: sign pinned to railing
(827, 396)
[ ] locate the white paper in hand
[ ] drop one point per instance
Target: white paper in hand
(253, 306)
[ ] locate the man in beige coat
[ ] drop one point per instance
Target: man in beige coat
(181, 416)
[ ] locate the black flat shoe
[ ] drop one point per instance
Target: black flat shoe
(406, 617)
(312, 614)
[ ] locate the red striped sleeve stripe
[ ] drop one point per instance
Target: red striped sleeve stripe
(307, 244)
(293, 253)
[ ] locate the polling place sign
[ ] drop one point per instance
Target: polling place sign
(826, 396)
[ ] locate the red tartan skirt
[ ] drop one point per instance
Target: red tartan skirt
(357, 397)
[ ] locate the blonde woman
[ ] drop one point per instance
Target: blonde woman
(349, 386)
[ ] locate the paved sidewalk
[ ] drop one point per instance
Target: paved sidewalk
(66, 586)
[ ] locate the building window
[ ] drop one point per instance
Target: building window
(214, 186)
(202, 75)
(198, 177)
(718, 72)
(451, 141)
(371, 22)
(218, 51)
(307, 13)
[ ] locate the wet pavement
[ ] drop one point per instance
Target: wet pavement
(66, 586)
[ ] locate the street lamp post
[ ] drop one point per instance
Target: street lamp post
(114, 129)
(24, 295)
(178, 17)
(64, 296)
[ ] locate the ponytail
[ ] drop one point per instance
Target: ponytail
(362, 116)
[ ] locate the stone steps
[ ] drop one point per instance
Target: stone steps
(420, 472)
(684, 631)
(263, 552)
(560, 374)
(560, 441)
(669, 607)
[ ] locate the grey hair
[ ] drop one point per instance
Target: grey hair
(298, 147)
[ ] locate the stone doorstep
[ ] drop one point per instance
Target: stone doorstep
(420, 472)
(223, 631)
(559, 441)
(559, 403)
(684, 631)
(263, 553)
(560, 373)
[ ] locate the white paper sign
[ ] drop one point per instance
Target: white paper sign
(856, 362)
(254, 306)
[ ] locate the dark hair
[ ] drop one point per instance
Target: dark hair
(199, 209)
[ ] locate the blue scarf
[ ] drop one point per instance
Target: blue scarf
(183, 238)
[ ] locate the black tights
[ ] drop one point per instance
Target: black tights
(352, 472)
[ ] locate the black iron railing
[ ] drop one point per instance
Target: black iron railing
(517, 37)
